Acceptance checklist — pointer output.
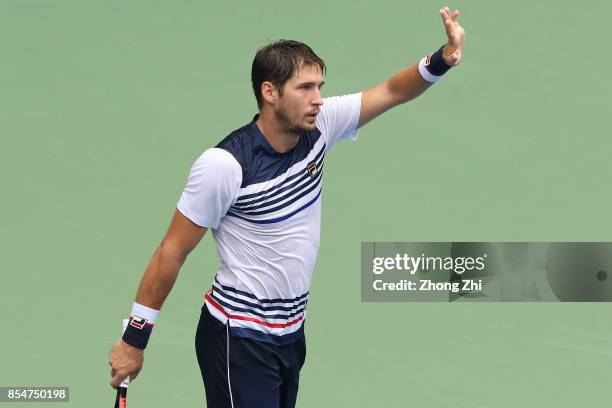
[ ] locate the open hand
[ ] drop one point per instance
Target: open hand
(451, 54)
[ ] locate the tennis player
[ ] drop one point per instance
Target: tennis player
(259, 191)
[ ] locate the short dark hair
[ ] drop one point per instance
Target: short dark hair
(276, 61)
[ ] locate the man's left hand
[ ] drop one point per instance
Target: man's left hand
(451, 53)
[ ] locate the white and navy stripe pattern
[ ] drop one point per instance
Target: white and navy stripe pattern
(270, 316)
(284, 196)
(263, 208)
(288, 185)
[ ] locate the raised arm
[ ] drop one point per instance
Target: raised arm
(408, 83)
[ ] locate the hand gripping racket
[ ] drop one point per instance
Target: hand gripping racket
(121, 399)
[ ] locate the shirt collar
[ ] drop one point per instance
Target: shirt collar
(262, 141)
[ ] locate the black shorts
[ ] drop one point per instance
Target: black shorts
(258, 375)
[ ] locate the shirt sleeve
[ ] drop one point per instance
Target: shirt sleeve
(339, 118)
(212, 187)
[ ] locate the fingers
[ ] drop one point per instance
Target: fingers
(125, 361)
(454, 31)
(117, 375)
(120, 376)
(445, 13)
(449, 16)
(116, 380)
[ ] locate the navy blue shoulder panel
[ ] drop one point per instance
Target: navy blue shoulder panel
(239, 143)
(258, 159)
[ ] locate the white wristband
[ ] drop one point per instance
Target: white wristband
(146, 312)
(428, 76)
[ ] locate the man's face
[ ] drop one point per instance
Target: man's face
(300, 98)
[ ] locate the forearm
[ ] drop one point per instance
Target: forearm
(402, 87)
(407, 84)
(159, 277)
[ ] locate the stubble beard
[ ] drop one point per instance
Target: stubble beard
(293, 126)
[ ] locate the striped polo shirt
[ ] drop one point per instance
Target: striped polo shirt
(264, 210)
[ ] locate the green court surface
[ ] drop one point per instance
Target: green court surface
(105, 105)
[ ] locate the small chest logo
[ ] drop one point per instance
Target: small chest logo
(312, 169)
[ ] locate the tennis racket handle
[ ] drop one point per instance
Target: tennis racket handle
(125, 382)
(121, 400)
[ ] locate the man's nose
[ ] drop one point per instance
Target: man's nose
(318, 99)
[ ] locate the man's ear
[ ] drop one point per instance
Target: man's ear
(269, 92)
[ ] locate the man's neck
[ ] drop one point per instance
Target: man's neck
(280, 138)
